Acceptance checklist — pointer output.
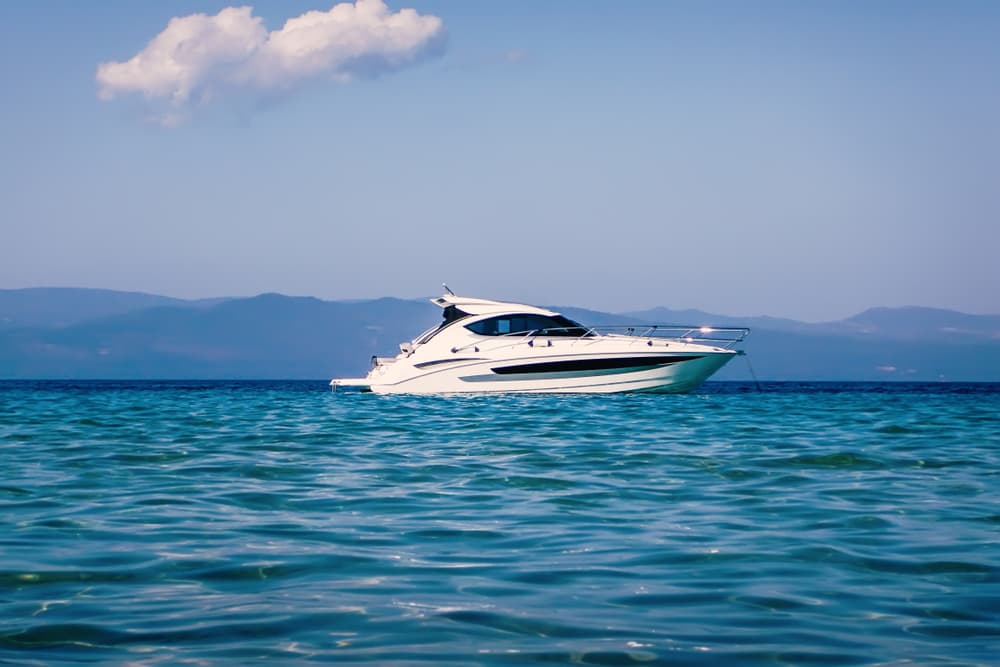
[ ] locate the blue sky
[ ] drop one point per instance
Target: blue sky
(806, 160)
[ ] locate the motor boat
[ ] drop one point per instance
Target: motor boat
(484, 346)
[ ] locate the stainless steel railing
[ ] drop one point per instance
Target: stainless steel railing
(721, 337)
(724, 337)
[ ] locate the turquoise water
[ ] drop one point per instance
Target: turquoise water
(150, 523)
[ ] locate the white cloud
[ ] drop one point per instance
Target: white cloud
(187, 56)
(199, 57)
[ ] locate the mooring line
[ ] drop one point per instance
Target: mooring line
(752, 374)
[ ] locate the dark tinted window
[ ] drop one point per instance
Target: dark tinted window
(525, 324)
(451, 314)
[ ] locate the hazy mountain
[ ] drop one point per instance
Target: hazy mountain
(920, 344)
(783, 355)
(596, 317)
(268, 336)
(922, 324)
(908, 323)
(105, 334)
(667, 316)
(64, 306)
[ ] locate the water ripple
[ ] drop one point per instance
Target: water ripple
(276, 522)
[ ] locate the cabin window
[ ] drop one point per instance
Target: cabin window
(542, 325)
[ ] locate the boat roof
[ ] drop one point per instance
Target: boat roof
(474, 306)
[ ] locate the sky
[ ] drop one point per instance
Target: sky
(796, 159)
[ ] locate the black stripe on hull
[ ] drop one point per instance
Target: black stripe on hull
(438, 362)
(598, 364)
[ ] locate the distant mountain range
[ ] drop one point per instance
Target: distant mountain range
(70, 333)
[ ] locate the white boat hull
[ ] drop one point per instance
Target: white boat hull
(479, 377)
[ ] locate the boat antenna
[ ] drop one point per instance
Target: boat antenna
(447, 289)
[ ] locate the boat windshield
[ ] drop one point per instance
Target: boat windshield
(450, 315)
(524, 324)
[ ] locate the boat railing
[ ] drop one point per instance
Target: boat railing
(724, 337)
(721, 337)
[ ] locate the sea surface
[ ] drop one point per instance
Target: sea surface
(279, 523)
